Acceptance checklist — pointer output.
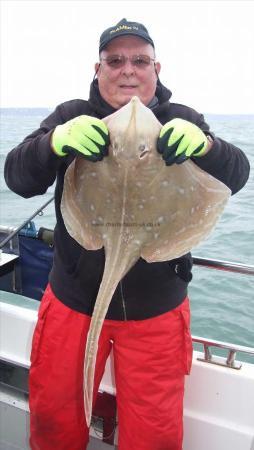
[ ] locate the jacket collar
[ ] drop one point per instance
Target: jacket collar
(103, 109)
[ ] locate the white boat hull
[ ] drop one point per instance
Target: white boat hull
(218, 407)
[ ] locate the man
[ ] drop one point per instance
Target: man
(147, 323)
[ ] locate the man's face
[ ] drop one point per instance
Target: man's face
(118, 85)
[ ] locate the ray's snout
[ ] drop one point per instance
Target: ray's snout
(133, 134)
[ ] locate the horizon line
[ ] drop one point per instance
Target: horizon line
(208, 112)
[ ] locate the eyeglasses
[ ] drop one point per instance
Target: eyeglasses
(118, 61)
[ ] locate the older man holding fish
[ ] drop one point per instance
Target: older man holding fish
(147, 322)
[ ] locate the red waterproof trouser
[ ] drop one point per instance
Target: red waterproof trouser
(151, 358)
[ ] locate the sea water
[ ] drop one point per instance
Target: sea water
(222, 303)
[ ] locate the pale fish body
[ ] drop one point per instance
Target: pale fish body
(135, 206)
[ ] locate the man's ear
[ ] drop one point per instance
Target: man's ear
(96, 67)
(157, 67)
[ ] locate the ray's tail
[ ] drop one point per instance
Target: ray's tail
(113, 273)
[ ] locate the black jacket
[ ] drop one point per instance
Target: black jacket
(148, 289)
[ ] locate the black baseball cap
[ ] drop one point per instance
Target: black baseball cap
(124, 28)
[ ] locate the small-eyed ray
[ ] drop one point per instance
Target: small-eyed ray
(135, 206)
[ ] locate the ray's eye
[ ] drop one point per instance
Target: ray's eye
(143, 150)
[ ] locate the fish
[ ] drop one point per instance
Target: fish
(135, 206)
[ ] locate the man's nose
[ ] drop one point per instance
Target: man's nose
(128, 68)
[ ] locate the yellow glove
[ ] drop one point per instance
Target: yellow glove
(84, 135)
(179, 140)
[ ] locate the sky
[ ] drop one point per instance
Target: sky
(206, 48)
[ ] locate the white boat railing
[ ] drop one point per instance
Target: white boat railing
(229, 360)
(209, 344)
(228, 266)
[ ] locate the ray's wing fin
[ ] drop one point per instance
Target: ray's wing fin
(189, 202)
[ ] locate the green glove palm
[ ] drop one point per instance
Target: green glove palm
(179, 140)
(84, 135)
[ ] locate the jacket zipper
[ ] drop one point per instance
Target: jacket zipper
(123, 301)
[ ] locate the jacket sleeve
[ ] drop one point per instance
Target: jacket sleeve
(30, 168)
(224, 161)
